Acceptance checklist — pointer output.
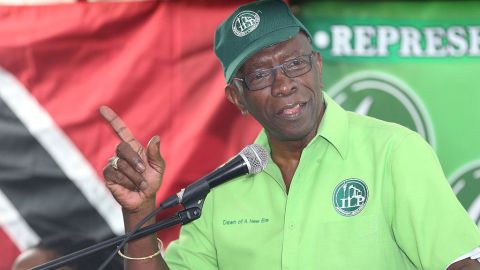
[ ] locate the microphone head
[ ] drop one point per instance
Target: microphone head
(256, 158)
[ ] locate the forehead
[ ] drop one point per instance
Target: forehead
(295, 46)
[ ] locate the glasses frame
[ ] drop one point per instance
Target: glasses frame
(274, 74)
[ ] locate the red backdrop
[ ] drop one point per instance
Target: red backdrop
(152, 62)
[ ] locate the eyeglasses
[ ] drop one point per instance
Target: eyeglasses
(262, 78)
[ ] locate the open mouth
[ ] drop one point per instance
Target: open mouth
(292, 110)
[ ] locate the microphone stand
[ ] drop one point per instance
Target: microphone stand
(192, 211)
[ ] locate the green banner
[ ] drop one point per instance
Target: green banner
(413, 63)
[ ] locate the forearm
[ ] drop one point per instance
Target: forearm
(470, 267)
(142, 247)
(465, 264)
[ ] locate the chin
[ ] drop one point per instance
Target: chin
(296, 135)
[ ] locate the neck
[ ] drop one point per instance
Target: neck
(286, 154)
(287, 150)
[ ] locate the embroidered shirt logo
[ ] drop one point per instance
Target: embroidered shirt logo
(350, 197)
(245, 22)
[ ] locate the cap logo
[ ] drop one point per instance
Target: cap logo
(350, 197)
(245, 22)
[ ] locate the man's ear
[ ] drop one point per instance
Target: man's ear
(318, 60)
(234, 95)
(318, 63)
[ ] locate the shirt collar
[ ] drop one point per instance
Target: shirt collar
(333, 128)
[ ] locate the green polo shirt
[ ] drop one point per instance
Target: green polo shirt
(367, 194)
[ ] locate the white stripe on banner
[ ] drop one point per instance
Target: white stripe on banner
(15, 226)
(61, 148)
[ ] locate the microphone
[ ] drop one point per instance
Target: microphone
(251, 160)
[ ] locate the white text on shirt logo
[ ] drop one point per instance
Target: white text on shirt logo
(350, 196)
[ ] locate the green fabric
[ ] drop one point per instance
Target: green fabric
(249, 29)
(411, 219)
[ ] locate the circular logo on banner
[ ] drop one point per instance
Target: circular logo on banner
(350, 197)
(245, 22)
(384, 97)
(465, 183)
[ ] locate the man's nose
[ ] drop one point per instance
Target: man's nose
(282, 85)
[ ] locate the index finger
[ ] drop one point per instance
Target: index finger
(119, 127)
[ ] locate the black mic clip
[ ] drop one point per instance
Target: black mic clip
(189, 214)
(192, 205)
(191, 197)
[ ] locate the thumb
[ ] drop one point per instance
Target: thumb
(154, 158)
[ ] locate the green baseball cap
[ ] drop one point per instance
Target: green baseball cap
(250, 28)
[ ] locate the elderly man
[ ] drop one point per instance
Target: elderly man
(341, 191)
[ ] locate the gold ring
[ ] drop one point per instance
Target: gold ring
(114, 162)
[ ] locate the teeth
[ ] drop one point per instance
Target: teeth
(292, 110)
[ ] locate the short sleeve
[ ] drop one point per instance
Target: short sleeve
(194, 248)
(429, 223)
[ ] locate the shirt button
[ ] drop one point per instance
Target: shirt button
(292, 226)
